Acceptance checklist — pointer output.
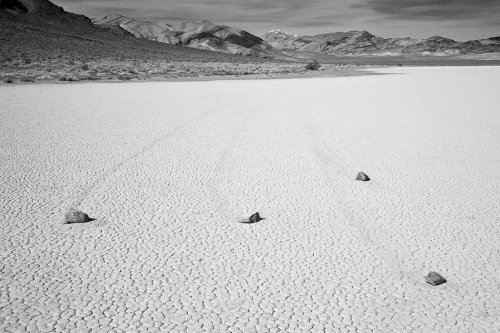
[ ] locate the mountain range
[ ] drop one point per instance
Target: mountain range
(278, 44)
(40, 41)
(203, 35)
(364, 43)
(39, 26)
(208, 36)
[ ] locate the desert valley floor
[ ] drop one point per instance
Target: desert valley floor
(167, 169)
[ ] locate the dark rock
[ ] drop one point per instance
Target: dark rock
(313, 66)
(434, 279)
(76, 216)
(362, 176)
(255, 218)
(252, 219)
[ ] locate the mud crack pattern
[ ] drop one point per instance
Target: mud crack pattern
(166, 176)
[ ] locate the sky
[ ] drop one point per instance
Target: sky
(458, 19)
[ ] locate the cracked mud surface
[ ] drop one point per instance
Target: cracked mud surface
(167, 170)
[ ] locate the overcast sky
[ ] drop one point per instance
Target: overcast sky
(457, 19)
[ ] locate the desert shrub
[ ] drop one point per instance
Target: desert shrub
(85, 67)
(27, 79)
(8, 81)
(313, 66)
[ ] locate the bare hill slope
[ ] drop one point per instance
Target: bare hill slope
(39, 40)
(203, 35)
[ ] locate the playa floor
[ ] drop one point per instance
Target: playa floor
(167, 169)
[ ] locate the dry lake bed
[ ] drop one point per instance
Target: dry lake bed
(167, 169)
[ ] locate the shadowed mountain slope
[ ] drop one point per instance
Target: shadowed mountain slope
(13, 6)
(42, 12)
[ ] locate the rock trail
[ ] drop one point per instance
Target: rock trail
(332, 254)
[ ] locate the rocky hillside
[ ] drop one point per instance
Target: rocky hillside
(203, 35)
(42, 12)
(41, 41)
(19, 18)
(364, 43)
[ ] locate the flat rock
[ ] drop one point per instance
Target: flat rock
(434, 279)
(76, 216)
(362, 176)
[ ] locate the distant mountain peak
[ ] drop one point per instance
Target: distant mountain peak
(280, 33)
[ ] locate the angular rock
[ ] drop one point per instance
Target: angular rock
(362, 176)
(255, 218)
(76, 216)
(252, 219)
(434, 279)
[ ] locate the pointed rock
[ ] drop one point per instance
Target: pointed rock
(255, 218)
(362, 176)
(434, 279)
(252, 219)
(76, 216)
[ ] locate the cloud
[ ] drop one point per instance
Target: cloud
(433, 9)
(459, 19)
(244, 11)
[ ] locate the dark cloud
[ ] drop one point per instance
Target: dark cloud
(434, 9)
